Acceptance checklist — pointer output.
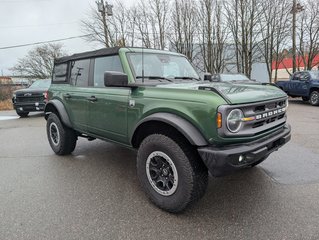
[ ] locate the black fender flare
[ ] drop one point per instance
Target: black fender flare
(192, 134)
(58, 105)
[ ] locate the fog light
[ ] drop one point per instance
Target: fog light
(21, 109)
(241, 158)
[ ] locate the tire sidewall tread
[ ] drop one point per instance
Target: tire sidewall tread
(67, 136)
(314, 103)
(192, 179)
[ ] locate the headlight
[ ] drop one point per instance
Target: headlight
(14, 95)
(234, 122)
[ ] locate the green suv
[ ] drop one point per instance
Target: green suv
(155, 102)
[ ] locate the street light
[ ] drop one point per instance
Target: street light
(296, 8)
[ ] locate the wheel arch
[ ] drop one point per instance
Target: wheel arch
(154, 122)
(313, 88)
(58, 108)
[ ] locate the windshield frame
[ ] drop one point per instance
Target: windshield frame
(174, 80)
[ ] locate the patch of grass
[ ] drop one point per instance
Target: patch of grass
(6, 105)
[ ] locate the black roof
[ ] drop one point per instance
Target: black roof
(96, 53)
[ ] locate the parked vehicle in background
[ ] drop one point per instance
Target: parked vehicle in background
(181, 126)
(304, 84)
(31, 99)
(231, 77)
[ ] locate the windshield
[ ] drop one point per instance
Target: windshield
(41, 84)
(165, 66)
(233, 77)
(314, 75)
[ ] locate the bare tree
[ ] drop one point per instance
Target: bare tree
(274, 25)
(95, 27)
(39, 62)
(183, 27)
(159, 9)
(213, 35)
(242, 18)
(309, 34)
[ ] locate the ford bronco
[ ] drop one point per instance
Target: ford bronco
(155, 102)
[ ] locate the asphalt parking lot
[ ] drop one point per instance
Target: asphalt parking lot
(94, 193)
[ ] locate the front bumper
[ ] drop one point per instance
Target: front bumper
(29, 107)
(224, 160)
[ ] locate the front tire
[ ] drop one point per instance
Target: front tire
(314, 98)
(23, 114)
(170, 172)
(61, 138)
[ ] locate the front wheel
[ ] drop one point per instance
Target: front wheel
(23, 114)
(170, 172)
(61, 138)
(314, 98)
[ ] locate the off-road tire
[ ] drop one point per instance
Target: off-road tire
(192, 173)
(23, 114)
(314, 98)
(61, 138)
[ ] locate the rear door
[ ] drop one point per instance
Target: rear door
(108, 108)
(75, 96)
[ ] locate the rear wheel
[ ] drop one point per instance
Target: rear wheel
(170, 172)
(61, 138)
(314, 98)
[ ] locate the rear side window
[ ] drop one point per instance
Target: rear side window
(103, 64)
(60, 73)
(80, 72)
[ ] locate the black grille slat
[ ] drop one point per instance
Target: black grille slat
(29, 99)
(264, 108)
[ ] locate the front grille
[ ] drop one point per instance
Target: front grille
(262, 117)
(30, 99)
(262, 109)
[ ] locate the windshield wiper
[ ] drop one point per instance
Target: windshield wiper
(190, 78)
(155, 78)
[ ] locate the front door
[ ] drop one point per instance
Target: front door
(299, 84)
(108, 106)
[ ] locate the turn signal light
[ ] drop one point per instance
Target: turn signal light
(46, 95)
(219, 120)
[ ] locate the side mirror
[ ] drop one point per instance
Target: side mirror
(208, 77)
(115, 79)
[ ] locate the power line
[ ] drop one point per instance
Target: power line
(38, 25)
(22, 1)
(50, 41)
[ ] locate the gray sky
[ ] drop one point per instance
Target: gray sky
(29, 21)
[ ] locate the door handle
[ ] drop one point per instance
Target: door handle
(67, 96)
(92, 99)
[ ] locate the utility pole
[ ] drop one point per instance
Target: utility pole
(106, 10)
(296, 8)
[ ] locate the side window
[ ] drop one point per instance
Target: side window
(60, 73)
(304, 76)
(103, 64)
(80, 72)
(296, 76)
